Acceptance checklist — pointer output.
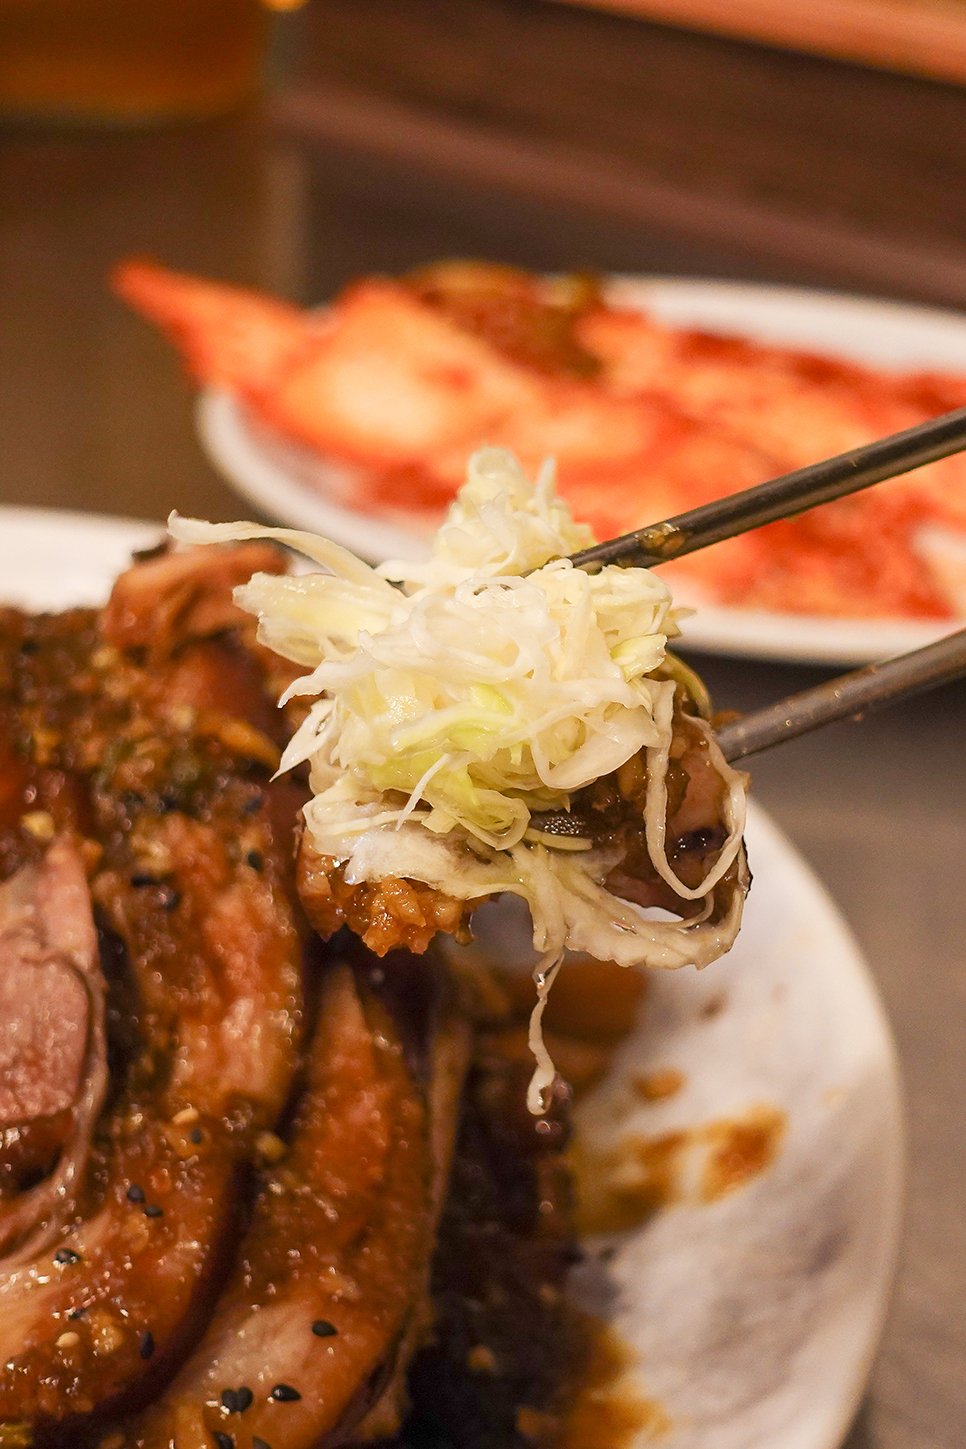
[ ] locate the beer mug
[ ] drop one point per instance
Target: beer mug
(130, 61)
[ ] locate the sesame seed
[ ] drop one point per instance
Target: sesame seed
(322, 1328)
(196, 1136)
(270, 1147)
(68, 1340)
(146, 1344)
(76, 1313)
(481, 1360)
(39, 824)
(135, 1193)
(259, 1443)
(172, 899)
(66, 1255)
(224, 1441)
(229, 1401)
(152, 1210)
(183, 717)
(285, 1394)
(256, 860)
(185, 1117)
(252, 806)
(245, 1398)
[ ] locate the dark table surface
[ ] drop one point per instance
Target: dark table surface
(97, 415)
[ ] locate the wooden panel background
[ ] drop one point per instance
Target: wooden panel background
(922, 37)
(778, 163)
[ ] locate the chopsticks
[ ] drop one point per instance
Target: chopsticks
(783, 497)
(852, 694)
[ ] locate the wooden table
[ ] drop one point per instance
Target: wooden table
(97, 415)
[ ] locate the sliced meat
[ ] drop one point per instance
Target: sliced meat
(166, 601)
(190, 848)
(333, 1264)
(45, 1009)
(53, 1057)
(216, 961)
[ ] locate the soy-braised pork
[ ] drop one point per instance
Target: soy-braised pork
(53, 1051)
(327, 1300)
(159, 768)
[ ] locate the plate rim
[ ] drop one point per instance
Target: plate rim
(118, 524)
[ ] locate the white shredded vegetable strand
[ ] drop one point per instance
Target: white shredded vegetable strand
(545, 1072)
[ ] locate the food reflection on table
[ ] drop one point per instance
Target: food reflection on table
(399, 379)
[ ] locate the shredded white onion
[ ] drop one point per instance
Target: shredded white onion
(484, 685)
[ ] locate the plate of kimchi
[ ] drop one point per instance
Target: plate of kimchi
(652, 396)
(264, 1191)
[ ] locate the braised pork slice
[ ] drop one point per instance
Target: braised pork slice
(161, 767)
(53, 1060)
(334, 1261)
(48, 956)
(45, 1012)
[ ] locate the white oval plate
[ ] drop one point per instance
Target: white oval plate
(755, 1318)
(297, 486)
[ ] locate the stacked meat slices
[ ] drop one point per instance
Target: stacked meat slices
(228, 1209)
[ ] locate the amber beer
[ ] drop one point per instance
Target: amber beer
(129, 60)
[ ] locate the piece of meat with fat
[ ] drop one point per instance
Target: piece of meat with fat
(164, 602)
(53, 1060)
(194, 878)
(341, 1239)
(219, 977)
(399, 912)
(48, 972)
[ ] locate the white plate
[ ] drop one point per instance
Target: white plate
(52, 559)
(755, 1317)
(295, 485)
